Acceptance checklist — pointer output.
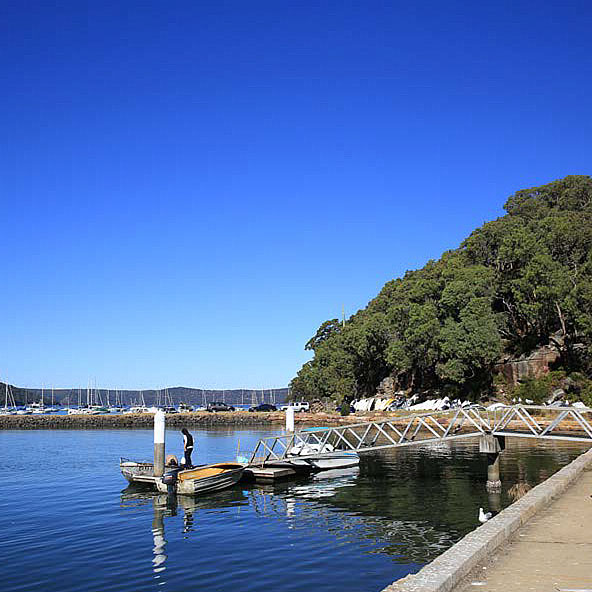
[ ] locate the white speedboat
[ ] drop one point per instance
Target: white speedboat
(322, 457)
(312, 456)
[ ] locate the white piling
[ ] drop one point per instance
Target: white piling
(159, 429)
(290, 419)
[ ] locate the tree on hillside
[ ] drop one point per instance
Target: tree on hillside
(515, 283)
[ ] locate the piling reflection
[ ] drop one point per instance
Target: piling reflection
(409, 505)
(159, 548)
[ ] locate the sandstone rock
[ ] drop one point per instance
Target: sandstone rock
(535, 365)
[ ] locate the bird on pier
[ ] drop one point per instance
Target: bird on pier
(484, 516)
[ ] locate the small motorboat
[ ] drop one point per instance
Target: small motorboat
(313, 456)
(322, 457)
(199, 480)
(143, 472)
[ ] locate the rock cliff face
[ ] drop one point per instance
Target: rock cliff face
(514, 370)
(534, 365)
(387, 388)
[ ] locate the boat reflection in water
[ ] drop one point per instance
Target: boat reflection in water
(273, 500)
(409, 507)
(170, 506)
(324, 501)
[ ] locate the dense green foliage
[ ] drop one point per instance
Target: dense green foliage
(518, 282)
(538, 389)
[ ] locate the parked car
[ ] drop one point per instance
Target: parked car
(219, 406)
(264, 407)
(297, 405)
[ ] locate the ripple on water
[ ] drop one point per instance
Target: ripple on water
(66, 524)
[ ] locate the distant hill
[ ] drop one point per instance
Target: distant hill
(178, 394)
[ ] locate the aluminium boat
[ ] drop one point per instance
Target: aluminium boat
(142, 472)
(200, 480)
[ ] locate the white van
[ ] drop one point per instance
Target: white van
(301, 406)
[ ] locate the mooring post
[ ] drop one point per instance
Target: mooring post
(290, 419)
(494, 499)
(159, 429)
(492, 446)
(493, 473)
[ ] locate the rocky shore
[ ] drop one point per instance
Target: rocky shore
(146, 421)
(235, 419)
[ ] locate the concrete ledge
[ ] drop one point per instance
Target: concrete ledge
(447, 570)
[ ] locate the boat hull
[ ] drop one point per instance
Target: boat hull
(137, 472)
(204, 479)
(327, 462)
(338, 461)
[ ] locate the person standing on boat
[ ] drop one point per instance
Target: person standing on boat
(187, 447)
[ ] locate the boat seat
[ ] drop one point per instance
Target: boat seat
(200, 473)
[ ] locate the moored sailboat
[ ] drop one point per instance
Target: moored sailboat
(9, 402)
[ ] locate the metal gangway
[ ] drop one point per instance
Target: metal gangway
(525, 421)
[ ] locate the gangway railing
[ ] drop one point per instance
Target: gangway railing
(552, 423)
(561, 423)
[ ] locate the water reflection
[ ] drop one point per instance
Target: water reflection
(159, 548)
(408, 505)
(170, 506)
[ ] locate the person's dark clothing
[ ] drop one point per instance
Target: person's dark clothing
(188, 449)
(187, 454)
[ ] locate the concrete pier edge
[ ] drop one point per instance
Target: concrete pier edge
(447, 570)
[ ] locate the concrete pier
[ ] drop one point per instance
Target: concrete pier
(553, 551)
(544, 565)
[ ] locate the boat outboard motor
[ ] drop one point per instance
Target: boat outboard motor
(170, 480)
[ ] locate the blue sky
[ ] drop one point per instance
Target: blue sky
(190, 189)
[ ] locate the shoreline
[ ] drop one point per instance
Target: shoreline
(146, 420)
(230, 419)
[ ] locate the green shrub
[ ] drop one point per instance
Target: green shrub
(539, 389)
(586, 396)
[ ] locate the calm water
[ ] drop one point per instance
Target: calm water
(68, 521)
